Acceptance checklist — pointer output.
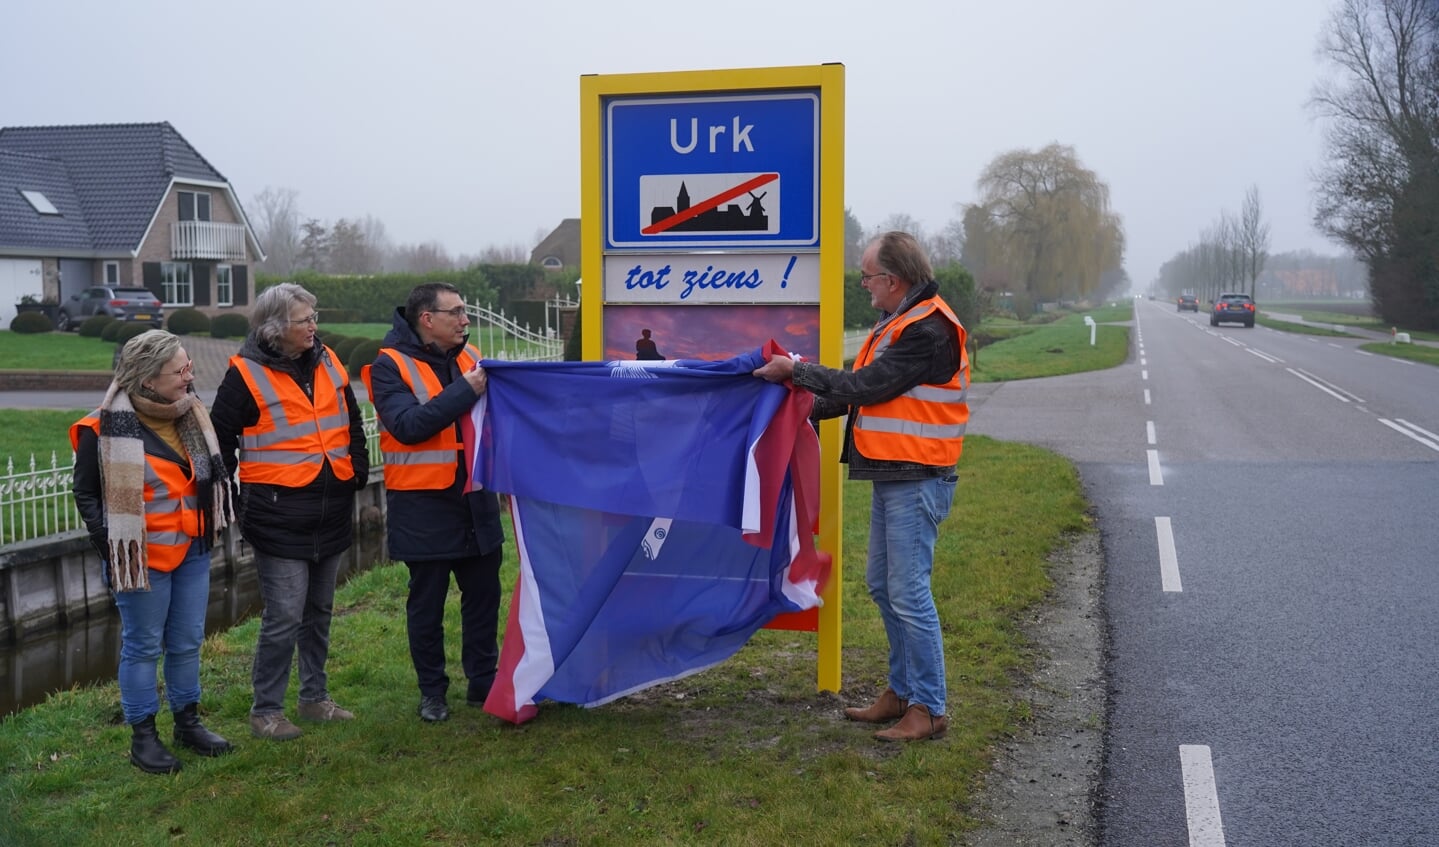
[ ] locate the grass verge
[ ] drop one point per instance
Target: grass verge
(747, 753)
(1294, 327)
(54, 351)
(1412, 352)
(36, 432)
(1061, 347)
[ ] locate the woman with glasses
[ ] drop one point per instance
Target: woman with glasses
(153, 491)
(287, 420)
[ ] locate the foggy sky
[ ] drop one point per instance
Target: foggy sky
(458, 121)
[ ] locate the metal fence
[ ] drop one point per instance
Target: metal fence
(37, 502)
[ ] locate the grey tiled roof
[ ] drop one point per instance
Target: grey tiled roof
(20, 224)
(118, 173)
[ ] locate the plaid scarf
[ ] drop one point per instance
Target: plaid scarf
(122, 475)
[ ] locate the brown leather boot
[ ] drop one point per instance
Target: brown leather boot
(916, 725)
(886, 708)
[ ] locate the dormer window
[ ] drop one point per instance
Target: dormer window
(39, 202)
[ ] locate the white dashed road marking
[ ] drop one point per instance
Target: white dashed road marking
(1201, 799)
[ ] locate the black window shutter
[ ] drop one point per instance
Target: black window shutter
(187, 205)
(152, 279)
(201, 293)
(240, 285)
(202, 207)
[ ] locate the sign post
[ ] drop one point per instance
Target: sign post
(712, 219)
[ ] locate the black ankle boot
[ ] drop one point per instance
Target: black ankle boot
(190, 733)
(147, 752)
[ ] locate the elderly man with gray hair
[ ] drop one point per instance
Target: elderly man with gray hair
(905, 410)
(287, 420)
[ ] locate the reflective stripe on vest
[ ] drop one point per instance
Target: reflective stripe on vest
(172, 505)
(294, 434)
(429, 465)
(925, 424)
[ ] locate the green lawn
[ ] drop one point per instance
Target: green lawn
(54, 351)
(746, 753)
(1052, 349)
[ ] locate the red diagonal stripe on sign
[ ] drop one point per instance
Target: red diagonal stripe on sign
(712, 203)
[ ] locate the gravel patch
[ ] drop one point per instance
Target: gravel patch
(1043, 788)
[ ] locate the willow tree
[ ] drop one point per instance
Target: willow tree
(1046, 224)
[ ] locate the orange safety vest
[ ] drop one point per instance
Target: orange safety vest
(172, 504)
(926, 423)
(429, 465)
(295, 435)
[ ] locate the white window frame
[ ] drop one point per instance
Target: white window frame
(105, 273)
(177, 279)
(195, 203)
(224, 286)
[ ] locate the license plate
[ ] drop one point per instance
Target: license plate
(140, 317)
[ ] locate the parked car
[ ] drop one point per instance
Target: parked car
(1190, 302)
(120, 303)
(1233, 308)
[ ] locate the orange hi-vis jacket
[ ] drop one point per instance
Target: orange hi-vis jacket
(926, 423)
(429, 465)
(295, 435)
(172, 504)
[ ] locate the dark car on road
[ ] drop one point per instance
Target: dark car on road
(120, 303)
(1233, 308)
(1188, 301)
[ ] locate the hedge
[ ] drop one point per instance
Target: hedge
(29, 323)
(230, 325)
(363, 354)
(94, 326)
(187, 321)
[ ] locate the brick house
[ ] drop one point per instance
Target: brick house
(119, 204)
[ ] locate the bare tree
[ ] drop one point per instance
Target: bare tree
(513, 253)
(1378, 192)
(1253, 237)
(276, 218)
(421, 258)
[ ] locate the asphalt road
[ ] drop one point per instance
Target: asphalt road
(1272, 669)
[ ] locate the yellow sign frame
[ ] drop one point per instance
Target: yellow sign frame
(829, 81)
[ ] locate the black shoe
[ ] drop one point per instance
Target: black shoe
(434, 709)
(146, 750)
(191, 734)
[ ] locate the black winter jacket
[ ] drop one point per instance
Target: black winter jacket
(311, 522)
(925, 353)
(431, 525)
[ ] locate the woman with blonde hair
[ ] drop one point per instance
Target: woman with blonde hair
(153, 491)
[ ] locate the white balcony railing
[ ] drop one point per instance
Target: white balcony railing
(207, 240)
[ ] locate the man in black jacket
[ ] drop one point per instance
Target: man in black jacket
(425, 380)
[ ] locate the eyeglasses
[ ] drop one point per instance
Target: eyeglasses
(312, 319)
(188, 369)
(456, 313)
(864, 277)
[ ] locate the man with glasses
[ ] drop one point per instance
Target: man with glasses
(423, 383)
(905, 402)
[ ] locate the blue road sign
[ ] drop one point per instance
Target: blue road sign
(729, 170)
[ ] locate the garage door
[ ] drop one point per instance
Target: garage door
(18, 277)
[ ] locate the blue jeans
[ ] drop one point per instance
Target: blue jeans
(168, 620)
(904, 521)
(299, 597)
